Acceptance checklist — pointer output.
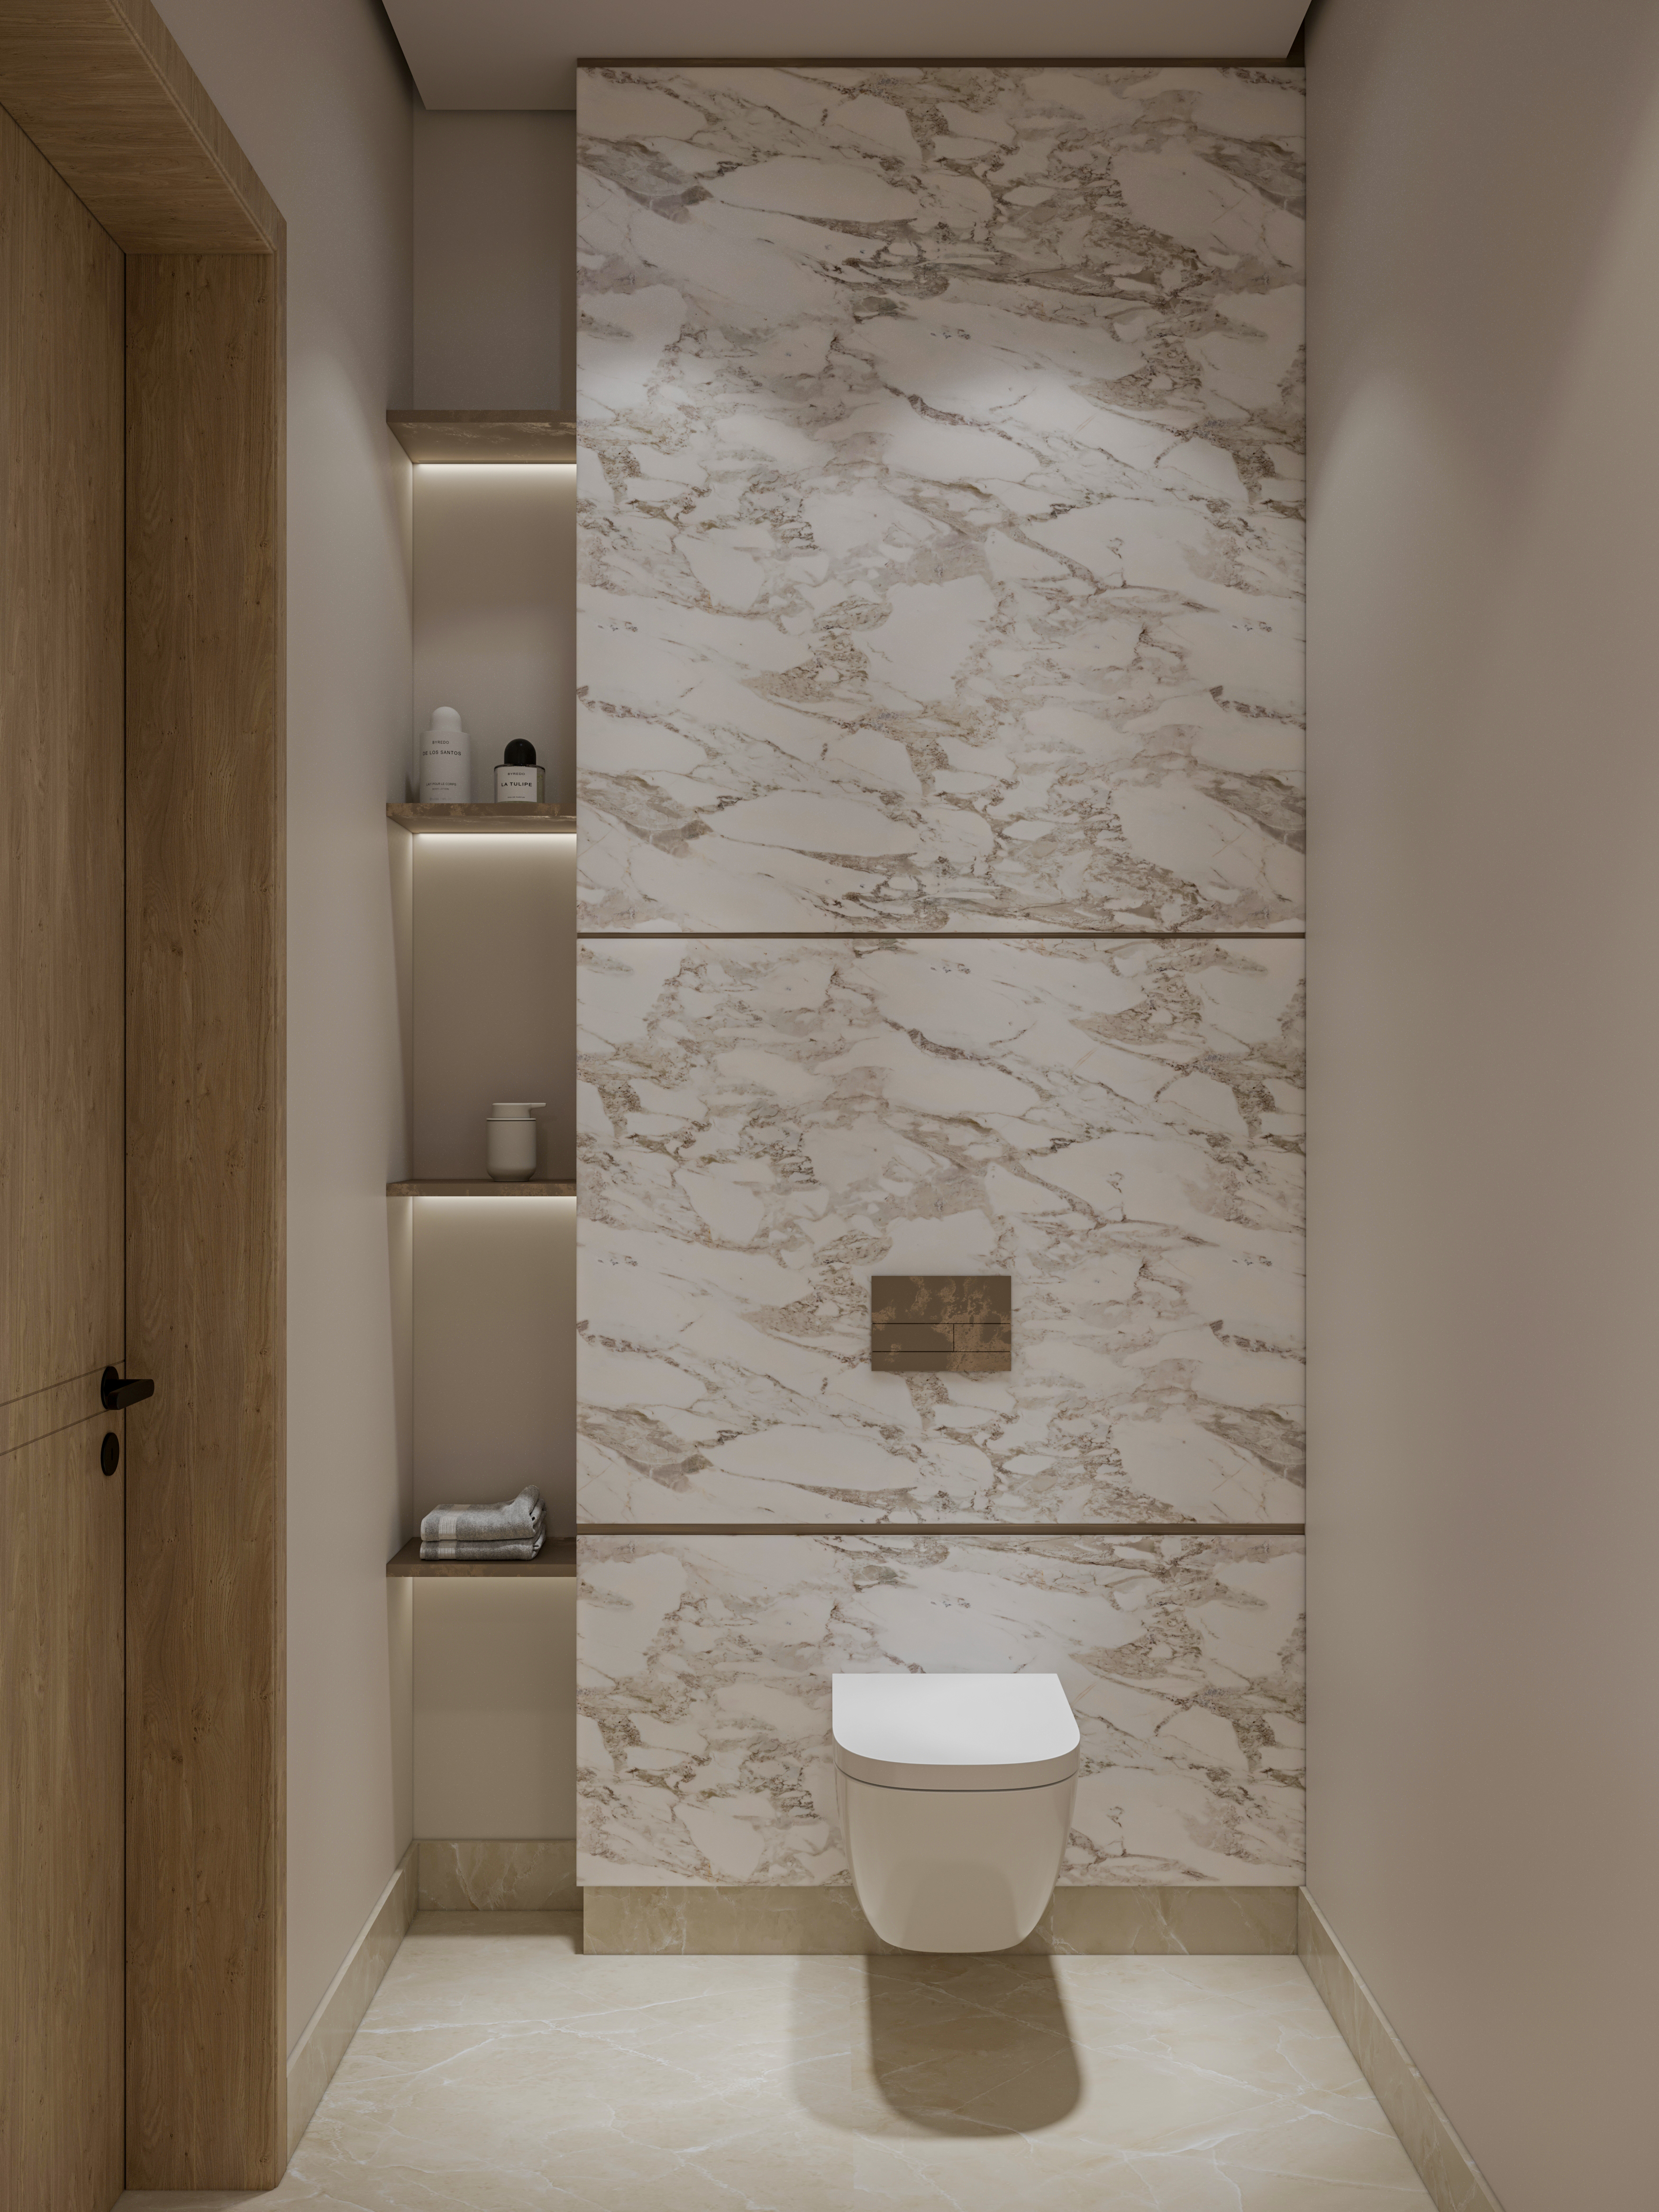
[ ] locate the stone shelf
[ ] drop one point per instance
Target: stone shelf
(428, 1187)
(452, 435)
(557, 1557)
(527, 817)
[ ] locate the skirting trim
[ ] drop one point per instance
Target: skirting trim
(312, 2062)
(1448, 2172)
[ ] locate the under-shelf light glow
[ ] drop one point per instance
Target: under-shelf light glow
(495, 468)
(494, 836)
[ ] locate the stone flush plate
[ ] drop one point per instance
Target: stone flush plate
(941, 1324)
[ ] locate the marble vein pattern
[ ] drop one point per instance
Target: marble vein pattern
(499, 2070)
(940, 498)
(764, 1125)
(703, 1682)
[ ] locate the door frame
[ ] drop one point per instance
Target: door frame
(103, 93)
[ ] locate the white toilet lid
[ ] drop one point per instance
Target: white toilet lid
(953, 1731)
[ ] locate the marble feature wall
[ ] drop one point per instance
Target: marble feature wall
(939, 776)
(941, 534)
(704, 1676)
(763, 1126)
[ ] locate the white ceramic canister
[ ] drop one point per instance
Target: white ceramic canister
(511, 1139)
(445, 761)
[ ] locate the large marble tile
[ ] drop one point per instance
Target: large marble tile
(703, 1683)
(519, 1875)
(751, 1919)
(941, 539)
(833, 2085)
(766, 1125)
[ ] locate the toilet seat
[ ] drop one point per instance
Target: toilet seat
(953, 1731)
(955, 1792)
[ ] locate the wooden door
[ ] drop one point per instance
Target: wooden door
(61, 1134)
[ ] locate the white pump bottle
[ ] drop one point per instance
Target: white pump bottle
(445, 761)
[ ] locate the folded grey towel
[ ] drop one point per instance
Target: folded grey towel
(444, 1550)
(518, 1522)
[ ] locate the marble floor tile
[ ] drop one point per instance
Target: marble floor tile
(500, 2071)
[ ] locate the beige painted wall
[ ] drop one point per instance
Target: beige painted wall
(1484, 769)
(494, 1712)
(317, 94)
(495, 259)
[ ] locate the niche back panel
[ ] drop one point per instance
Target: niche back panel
(939, 524)
(764, 1126)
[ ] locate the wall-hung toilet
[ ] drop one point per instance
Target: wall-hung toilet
(955, 1792)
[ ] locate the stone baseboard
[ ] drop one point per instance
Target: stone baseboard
(533, 1876)
(767, 1921)
(314, 2059)
(1449, 2173)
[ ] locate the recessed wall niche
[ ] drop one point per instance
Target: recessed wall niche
(495, 612)
(494, 995)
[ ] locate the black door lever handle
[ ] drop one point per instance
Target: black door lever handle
(116, 1394)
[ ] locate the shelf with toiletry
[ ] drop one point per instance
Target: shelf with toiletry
(512, 817)
(558, 1557)
(518, 777)
(494, 1535)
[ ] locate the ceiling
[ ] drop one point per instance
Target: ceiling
(522, 53)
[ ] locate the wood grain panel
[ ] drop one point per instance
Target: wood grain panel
(104, 92)
(60, 780)
(43, 1413)
(60, 1824)
(205, 1752)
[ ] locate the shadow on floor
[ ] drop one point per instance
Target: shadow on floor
(970, 2045)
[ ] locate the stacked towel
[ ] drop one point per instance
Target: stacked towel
(511, 1531)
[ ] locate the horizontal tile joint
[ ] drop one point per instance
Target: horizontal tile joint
(998, 1529)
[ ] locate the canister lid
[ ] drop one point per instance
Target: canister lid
(520, 753)
(514, 1109)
